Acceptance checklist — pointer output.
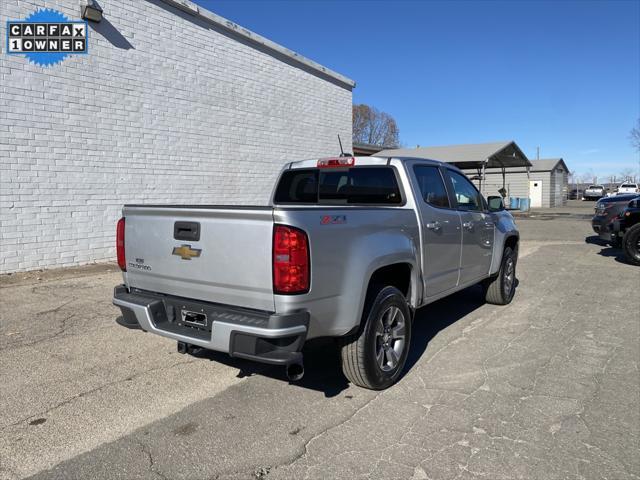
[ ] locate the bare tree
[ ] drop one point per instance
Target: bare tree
(627, 174)
(586, 178)
(374, 127)
(634, 136)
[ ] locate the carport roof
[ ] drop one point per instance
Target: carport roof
(491, 155)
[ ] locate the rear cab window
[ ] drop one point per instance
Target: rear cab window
(366, 185)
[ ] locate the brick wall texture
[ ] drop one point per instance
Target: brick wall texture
(165, 108)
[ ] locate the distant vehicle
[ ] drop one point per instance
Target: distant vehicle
(594, 192)
(628, 188)
(627, 227)
(606, 210)
(573, 194)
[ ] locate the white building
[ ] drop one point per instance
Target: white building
(545, 183)
(169, 106)
(496, 166)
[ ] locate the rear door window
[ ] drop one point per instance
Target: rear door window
(431, 185)
(358, 185)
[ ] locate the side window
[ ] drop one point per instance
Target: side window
(466, 194)
(298, 186)
(431, 185)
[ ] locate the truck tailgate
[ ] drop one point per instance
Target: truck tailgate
(232, 267)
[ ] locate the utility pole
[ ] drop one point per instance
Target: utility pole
(537, 153)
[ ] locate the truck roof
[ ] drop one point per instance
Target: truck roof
(363, 161)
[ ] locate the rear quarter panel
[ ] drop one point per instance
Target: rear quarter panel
(344, 253)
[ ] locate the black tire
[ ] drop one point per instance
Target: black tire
(500, 289)
(631, 244)
(375, 356)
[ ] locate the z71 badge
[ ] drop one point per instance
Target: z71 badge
(333, 219)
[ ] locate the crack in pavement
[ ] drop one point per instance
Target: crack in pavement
(62, 327)
(538, 392)
(570, 338)
(94, 390)
(304, 449)
(152, 467)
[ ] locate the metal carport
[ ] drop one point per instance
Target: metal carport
(479, 156)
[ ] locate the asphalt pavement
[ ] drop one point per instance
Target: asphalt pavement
(545, 388)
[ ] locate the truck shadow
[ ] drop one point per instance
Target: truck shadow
(595, 240)
(322, 356)
(437, 316)
(321, 364)
(607, 250)
(617, 254)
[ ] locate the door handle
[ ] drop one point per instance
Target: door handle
(188, 231)
(468, 225)
(435, 226)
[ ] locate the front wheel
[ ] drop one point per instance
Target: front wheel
(374, 357)
(631, 244)
(501, 288)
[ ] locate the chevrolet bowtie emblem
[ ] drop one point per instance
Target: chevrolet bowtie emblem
(185, 252)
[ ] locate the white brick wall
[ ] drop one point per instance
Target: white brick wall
(165, 108)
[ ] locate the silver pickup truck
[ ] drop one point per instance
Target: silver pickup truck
(349, 247)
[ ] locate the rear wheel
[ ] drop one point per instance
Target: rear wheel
(631, 244)
(374, 357)
(501, 288)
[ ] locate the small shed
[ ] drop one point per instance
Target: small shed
(545, 182)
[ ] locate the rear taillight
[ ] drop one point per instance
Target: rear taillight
(122, 261)
(290, 260)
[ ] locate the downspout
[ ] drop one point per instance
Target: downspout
(503, 191)
(482, 175)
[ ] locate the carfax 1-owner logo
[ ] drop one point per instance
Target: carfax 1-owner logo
(46, 37)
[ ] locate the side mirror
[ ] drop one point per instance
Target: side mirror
(495, 204)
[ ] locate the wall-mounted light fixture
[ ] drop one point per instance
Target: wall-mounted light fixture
(91, 11)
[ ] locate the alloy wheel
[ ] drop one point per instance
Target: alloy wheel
(509, 277)
(390, 338)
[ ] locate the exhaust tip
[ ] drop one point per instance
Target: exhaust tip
(295, 372)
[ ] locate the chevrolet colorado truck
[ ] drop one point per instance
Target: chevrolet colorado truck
(349, 247)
